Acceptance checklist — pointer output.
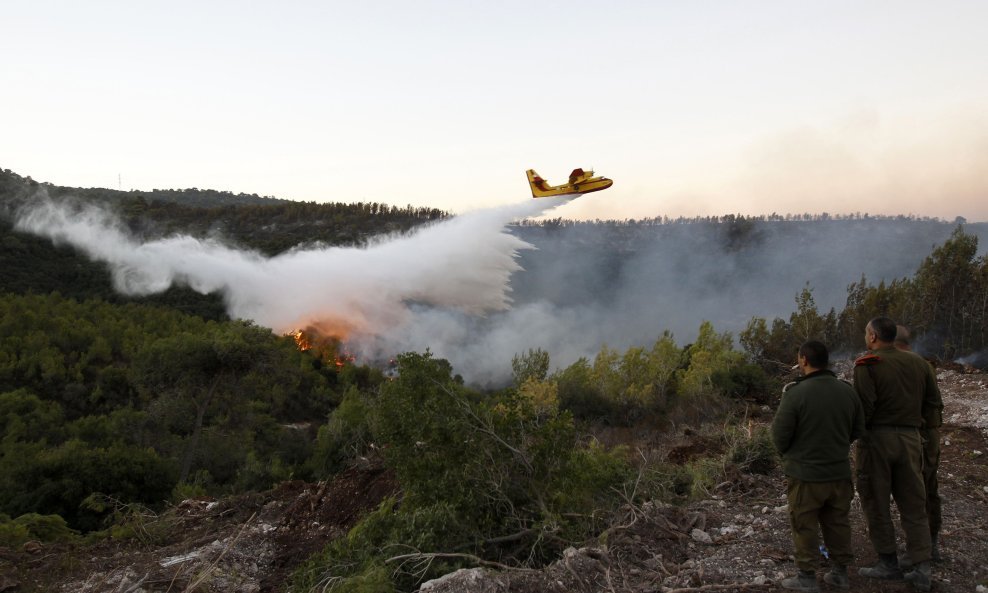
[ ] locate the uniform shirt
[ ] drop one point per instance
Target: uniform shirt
(898, 388)
(814, 426)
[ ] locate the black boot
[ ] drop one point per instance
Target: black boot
(805, 580)
(920, 576)
(837, 576)
(886, 568)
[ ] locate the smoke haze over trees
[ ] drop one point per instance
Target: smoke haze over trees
(628, 282)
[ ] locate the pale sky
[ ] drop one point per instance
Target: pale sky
(693, 108)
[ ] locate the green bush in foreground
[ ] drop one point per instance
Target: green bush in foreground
(32, 526)
(383, 553)
(502, 477)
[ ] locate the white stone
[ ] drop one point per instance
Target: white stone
(463, 575)
(701, 536)
(165, 563)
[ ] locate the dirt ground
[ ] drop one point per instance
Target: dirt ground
(736, 539)
(249, 543)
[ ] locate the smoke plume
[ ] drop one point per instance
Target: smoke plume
(460, 266)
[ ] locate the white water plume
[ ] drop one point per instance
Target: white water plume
(462, 264)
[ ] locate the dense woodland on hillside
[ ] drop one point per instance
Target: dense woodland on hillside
(267, 225)
(109, 406)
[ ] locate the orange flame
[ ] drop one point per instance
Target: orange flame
(301, 339)
(327, 347)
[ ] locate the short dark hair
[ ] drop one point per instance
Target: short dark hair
(884, 328)
(815, 353)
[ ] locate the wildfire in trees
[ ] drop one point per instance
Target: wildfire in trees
(344, 358)
(301, 340)
(327, 348)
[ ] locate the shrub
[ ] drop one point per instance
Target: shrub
(750, 448)
(362, 561)
(346, 436)
(500, 477)
(746, 381)
(32, 526)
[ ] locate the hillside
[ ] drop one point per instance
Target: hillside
(36, 265)
(734, 539)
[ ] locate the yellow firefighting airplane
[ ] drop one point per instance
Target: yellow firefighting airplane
(580, 182)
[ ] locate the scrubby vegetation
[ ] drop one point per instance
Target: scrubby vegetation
(137, 401)
(513, 477)
(110, 411)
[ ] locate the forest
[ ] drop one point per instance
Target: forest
(111, 404)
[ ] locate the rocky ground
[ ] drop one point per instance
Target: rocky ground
(736, 539)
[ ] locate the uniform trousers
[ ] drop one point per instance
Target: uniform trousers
(816, 507)
(889, 463)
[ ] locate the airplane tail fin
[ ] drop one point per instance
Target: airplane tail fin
(537, 184)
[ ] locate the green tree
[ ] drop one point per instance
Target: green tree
(532, 365)
(421, 420)
(772, 349)
(807, 323)
(948, 294)
(26, 418)
(709, 354)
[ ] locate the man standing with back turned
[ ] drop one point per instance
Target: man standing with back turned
(817, 420)
(900, 397)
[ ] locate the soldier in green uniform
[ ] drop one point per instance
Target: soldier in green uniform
(817, 420)
(931, 462)
(900, 397)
